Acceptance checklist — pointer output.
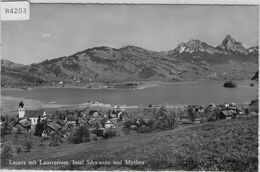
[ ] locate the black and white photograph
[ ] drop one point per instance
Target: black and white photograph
(129, 86)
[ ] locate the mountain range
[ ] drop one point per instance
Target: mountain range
(193, 60)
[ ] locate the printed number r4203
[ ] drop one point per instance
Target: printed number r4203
(15, 10)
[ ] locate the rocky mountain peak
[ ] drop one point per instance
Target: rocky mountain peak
(228, 38)
(195, 45)
(229, 41)
(230, 45)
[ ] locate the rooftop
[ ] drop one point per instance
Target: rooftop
(33, 113)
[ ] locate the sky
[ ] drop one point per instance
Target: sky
(56, 30)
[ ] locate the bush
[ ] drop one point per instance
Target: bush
(39, 129)
(211, 119)
(253, 106)
(109, 133)
(19, 130)
(247, 111)
(127, 123)
(74, 137)
(27, 146)
(55, 139)
(18, 149)
(150, 123)
(217, 114)
(93, 136)
(98, 132)
(8, 151)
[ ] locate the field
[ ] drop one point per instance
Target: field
(226, 145)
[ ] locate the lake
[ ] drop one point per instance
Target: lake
(201, 93)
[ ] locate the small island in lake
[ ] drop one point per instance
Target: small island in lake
(229, 84)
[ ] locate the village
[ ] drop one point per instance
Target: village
(87, 124)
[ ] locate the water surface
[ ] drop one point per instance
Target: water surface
(201, 93)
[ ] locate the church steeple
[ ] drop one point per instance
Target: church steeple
(21, 111)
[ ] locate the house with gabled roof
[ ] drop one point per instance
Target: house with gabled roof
(54, 126)
(109, 124)
(22, 125)
(61, 122)
(228, 114)
(33, 115)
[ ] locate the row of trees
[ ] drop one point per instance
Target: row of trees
(162, 119)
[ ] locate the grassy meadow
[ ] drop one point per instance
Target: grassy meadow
(225, 145)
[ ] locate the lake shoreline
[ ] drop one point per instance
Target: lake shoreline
(141, 86)
(9, 104)
(101, 85)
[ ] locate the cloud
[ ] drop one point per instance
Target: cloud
(46, 35)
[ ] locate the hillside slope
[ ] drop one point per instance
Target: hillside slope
(194, 60)
(228, 145)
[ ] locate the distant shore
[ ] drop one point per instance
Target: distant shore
(142, 85)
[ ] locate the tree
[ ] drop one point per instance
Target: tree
(166, 119)
(84, 133)
(79, 135)
(2, 119)
(61, 116)
(67, 112)
(150, 123)
(171, 117)
(18, 149)
(127, 123)
(191, 114)
(7, 118)
(4, 129)
(56, 113)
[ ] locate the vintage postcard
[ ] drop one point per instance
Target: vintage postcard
(129, 86)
